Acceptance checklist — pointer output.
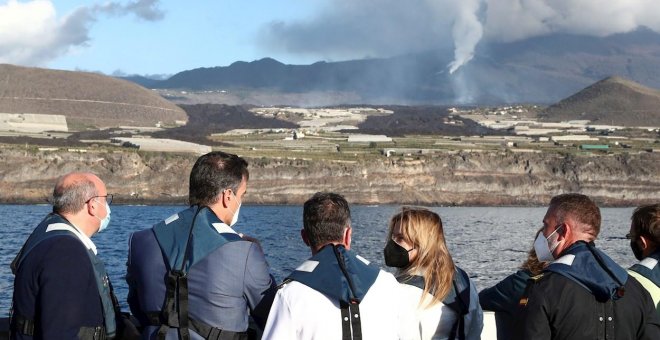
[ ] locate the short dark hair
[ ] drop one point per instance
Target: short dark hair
(70, 198)
(646, 222)
(578, 207)
(325, 216)
(214, 172)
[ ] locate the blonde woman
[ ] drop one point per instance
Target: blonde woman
(438, 298)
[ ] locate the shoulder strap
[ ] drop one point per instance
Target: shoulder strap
(351, 310)
(458, 299)
(460, 303)
(39, 235)
(337, 273)
(343, 276)
(174, 313)
(105, 293)
(201, 239)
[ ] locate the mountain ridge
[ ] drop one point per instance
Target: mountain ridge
(86, 99)
(538, 70)
(610, 101)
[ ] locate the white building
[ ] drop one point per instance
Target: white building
(368, 138)
(581, 138)
(32, 122)
(165, 145)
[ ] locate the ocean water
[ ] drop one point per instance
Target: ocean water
(488, 242)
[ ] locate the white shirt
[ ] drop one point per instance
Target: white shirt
(300, 312)
(435, 322)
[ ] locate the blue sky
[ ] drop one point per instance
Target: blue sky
(190, 34)
(206, 34)
(164, 37)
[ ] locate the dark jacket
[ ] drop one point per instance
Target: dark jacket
(579, 296)
(653, 273)
(502, 299)
(56, 288)
(226, 281)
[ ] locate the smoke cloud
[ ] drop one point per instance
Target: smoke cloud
(466, 33)
(31, 33)
(347, 29)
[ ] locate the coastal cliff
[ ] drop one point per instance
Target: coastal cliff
(455, 178)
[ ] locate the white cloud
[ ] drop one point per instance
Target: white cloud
(511, 20)
(32, 33)
(346, 29)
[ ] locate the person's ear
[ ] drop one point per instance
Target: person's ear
(304, 237)
(565, 231)
(348, 233)
(91, 207)
(645, 242)
(226, 197)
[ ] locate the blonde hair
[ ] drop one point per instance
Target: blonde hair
(423, 229)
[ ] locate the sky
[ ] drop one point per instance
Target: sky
(152, 37)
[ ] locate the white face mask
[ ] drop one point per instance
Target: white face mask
(234, 218)
(543, 248)
(106, 220)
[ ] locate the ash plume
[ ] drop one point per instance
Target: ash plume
(345, 29)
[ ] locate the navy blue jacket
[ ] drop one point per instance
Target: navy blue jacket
(503, 299)
(55, 286)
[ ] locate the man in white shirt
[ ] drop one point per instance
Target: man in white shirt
(336, 294)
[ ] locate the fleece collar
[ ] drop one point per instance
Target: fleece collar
(591, 269)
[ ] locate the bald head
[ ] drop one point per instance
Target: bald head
(73, 190)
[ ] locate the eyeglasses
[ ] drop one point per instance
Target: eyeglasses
(108, 198)
(629, 236)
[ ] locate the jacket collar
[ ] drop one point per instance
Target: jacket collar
(592, 269)
(649, 267)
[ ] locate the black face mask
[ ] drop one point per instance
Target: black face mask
(637, 250)
(396, 255)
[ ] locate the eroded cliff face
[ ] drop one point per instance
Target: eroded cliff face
(475, 178)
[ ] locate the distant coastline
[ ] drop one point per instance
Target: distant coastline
(492, 178)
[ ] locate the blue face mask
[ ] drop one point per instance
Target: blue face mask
(106, 220)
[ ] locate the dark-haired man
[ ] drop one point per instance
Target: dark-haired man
(192, 276)
(644, 239)
(62, 290)
(336, 294)
(582, 294)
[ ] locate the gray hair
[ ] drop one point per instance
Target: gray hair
(72, 197)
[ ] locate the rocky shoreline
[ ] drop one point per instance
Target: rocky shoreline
(488, 178)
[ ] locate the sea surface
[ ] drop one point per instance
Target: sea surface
(488, 242)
